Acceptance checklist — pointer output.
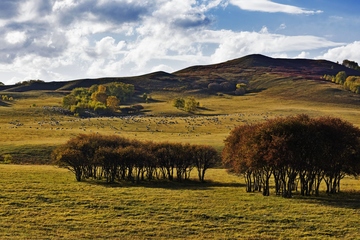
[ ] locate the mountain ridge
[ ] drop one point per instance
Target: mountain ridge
(255, 68)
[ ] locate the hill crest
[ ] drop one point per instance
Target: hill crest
(262, 72)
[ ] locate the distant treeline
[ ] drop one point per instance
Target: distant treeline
(294, 149)
(28, 82)
(351, 83)
(351, 64)
(115, 158)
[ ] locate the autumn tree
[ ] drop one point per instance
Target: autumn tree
(107, 158)
(191, 104)
(205, 157)
(294, 147)
(114, 158)
(163, 153)
(122, 91)
(340, 77)
(112, 102)
(179, 103)
(352, 83)
(100, 94)
(71, 159)
(100, 99)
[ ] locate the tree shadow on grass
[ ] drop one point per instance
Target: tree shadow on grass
(169, 185)
(349, 199)
(205, 109)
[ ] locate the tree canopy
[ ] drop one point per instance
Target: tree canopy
(351, 64)
(98, 98)
(351, 83)
(189, 105)
(115, 158)
(292, 149)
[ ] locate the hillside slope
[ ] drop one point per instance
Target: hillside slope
(285, 78)
(256, 64)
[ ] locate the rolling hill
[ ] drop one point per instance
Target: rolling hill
(285, 78)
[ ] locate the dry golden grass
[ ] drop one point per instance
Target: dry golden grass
(45, 202)
(26, 124)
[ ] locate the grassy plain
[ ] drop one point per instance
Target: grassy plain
(30, 130)
(45, 202)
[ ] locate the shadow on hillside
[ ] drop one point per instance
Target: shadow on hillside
(169, 185)
(255, 90)
(140, 100)
(343, 199)
(4, 104)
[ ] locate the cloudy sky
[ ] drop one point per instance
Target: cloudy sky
(70, 39)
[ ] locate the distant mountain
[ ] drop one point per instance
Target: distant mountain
(256, 64)
(261, 73)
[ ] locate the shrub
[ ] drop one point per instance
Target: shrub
(191, 104)
(8, 159)
(227, 86)
(179, 103)
(215, 87)
(115, 158)
(240, 91)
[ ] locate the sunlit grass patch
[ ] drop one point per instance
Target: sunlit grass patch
(38, 201)
(28, 122)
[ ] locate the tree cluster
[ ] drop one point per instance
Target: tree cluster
(28, 82)
(351, 83)
(237, 89)
(189, 105)
(219, 87)
(293, 150)
(115, 158)
(6, 98)
(99, 98)
(351, 64)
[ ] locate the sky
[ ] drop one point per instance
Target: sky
(60, 40)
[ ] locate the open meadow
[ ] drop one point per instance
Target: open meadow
(31, 127)
(45, 202)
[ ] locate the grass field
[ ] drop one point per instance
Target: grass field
(45, 202)
(30, 130)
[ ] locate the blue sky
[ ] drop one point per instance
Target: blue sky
(69, 39)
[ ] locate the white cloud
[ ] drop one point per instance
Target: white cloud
(107, 48)
(303, 54)
(282, 26)
(279, 55)
(236, 44)
(162, 67)
(67, 39)
(271, 7)
(349, 51)
(15, 37)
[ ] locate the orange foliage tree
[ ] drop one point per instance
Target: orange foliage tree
(294, 149)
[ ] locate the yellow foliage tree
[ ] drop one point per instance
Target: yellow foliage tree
(112, 102)
(99, 97)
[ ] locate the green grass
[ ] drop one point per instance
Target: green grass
(45, 202)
